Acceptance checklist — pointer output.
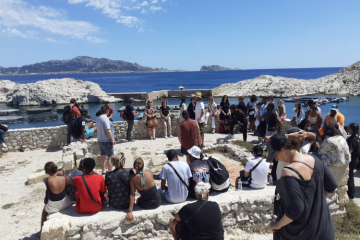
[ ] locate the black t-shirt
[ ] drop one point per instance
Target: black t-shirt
(206, 223)
(239, 115)
(304, 202)
(242, 107)
(200, 173)
(165, 110)
(77, 131)
(271, 119)
(118, 185)
(225, 106)
(191, 110)
(129, 110)
(354, 144)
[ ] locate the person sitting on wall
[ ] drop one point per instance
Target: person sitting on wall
(118, 182)
(76, 172)
(87, 125)
(334, 117)
(90, 189)
(177, 175)
(256, 170)
(198, 220)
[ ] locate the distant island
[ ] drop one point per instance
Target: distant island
(216, 68)
(81, 64)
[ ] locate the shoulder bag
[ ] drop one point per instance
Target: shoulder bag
(177, 174)
(242, 174)
(88, 190)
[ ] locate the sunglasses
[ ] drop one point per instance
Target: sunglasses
(149, 102)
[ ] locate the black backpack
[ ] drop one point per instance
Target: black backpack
(67, 115)
(218, 172)
(76, 127)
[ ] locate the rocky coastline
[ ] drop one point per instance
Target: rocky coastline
(346, 82)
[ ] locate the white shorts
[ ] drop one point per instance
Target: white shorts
(53, 207)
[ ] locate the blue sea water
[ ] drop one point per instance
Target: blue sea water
(147, 82)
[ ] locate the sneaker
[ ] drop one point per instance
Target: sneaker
(171, 136)
(166, 137)
(213, 131)
(205, 125)
(131, 140)
(4, 145)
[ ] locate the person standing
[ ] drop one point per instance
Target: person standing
(282, 110)
(151, 122)
(238, 117)
(75, 113)
(191, 109)
(225, 112)
(182, 107)
(354, 149)
(3, 129)
(111, 111)
(272, 120)
(188, 134)
(105, 136)
(262, 116)
(212, 113)
(176, 174)
(242, 105)
(252, 108)
(200, 115)
(131, 113)
(165, 118)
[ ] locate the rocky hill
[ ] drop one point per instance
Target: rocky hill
(80, 64)
(215, 68)
(346, 82)
(59, 90)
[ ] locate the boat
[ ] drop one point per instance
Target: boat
(345, 98)
(38, 110)
(11, 119)
(9, 112)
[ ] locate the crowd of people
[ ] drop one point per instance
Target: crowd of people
(299, 163)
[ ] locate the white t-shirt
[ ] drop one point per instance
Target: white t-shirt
(214, 186)
(199, 106)
(177, 191)
(252, 105)
(295, 115)
(259, 175)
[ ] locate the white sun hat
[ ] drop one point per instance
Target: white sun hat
(195, 152)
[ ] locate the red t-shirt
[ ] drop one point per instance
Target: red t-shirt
(111, 111)
(75, 111)
(96, 184)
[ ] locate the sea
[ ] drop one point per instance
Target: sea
(147, 82)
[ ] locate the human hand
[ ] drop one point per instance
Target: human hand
(302, 135)
(59, 173)
(273, 226)
(129, 216)
(266, 138)
(112, 143)
(83, 141)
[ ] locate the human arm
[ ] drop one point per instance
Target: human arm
(330, 183)
(274, 226)
(168, 115)
(108, 132)
(179, 134)
(319, 119)
(177, 217)
(198, 135)
(83, 134)
(163, 186)
(277, 123)
(134, 113)
(310, 136)
(129, 215)
(247, 168)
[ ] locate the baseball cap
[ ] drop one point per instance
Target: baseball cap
(84, 110)
(334, 107)
(88, 163)
(195, 152)
(258, 150)
(131, 100)
(278, 141)
(185, 114)
(290, 129)
(171, 154)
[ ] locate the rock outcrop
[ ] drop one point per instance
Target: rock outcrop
(346, 81)
(79, 64)
(59, 90)
(215, 68)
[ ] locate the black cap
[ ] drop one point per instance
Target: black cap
(329, 130)
(290, 129)
(88, 163)
(278, 141)
(311, 102)
(271, 105)
(185, 114)
(171, 154)
(84, 110)
(233, 107)
(258, 150)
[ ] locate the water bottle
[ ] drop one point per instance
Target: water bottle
(239, 185)
(271, 182)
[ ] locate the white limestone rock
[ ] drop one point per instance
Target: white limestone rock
(55, 228)
(36, 177)
(59, 90)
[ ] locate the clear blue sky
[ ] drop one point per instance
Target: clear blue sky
(183, 34)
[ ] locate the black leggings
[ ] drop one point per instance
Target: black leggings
(351, 182)
(243, 129)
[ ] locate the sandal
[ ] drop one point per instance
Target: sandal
(104, 173)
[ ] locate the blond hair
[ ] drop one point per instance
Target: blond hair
(118, 160)
(138, 165)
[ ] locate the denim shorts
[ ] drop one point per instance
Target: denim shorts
(106, 149)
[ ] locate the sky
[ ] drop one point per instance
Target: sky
(183, 34)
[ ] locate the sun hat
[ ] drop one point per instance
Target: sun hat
(195, 152)
(278, 141)
(334, 107)
(198, 94)
(258, 150)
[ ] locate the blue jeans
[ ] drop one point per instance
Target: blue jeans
(68, 138)
(106, 149)
(2, 136)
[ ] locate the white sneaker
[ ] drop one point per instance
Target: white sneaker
(205, 125)
(171, 136)
(166, 137)
(4, 145)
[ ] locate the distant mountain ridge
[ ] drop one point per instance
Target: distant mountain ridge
(216, 68)
(81, 64)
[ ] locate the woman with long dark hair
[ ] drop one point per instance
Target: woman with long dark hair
(191, 109)
(182, 107)
(225, 112)
(297, 115)
(251, 108)
(303, 188)
(354, 149)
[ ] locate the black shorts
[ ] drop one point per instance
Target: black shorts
(252, 116)
(201, 127)
(184, 151)
(182, 231)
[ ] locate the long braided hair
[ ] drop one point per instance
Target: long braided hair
(139, 166)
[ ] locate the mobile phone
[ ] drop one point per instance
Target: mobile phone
(83, 123)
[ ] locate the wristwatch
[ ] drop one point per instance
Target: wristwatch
(130, 210)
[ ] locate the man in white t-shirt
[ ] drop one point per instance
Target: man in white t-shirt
(259, 176)
(200, 115)
(176, 191)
